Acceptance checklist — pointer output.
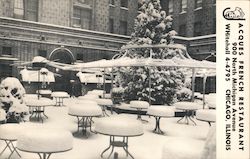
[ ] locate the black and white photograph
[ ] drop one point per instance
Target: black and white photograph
(115, 79)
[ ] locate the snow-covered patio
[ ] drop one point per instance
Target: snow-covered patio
(147, 146)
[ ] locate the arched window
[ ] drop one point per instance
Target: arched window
(19, 9)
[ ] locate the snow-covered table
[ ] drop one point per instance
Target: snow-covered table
(59, 96)
(159, 112)
(139, 106)
(45, 142)
(8, 133)
(85, 111)
(37, 107)
(189, 109)
(118, 126)
(207, 115)
(104, 103)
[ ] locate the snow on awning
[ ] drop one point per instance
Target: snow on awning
(91, 78)
(33, 75)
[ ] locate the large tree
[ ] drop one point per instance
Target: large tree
(152, 26)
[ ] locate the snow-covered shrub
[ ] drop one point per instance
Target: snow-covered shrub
(11, 99)
(184, 94)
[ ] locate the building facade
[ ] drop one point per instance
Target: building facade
(195, 23)
(85, 30)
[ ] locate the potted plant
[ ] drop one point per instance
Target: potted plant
(11, 99)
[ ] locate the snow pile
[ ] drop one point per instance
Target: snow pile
(60, 94)
(182, 148)
(102, 101)
(84, 101)
(206, 115)
(85, 109)
(88, 97)
(187, 105)
(119, 126)
(39, 102)
(96, 92)
(211, 100)
(45, 140)
(9, 131)
(39, 59)
(161, 111)
(139, 104)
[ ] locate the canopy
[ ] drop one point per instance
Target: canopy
(37, 76)
(182, 60)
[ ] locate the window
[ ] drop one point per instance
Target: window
(124, 3)
(111, 25)
(76, 17)
(19, 9)
(6, 50)
(170, 7)
(123, 27)
(182, 30)
(112, 2)
(81, 18)
(197, 29)
(198, 4)
(26, 9)
(214, 2)
(42, 53)
(79, 56)
(183, 6)
(32, 10)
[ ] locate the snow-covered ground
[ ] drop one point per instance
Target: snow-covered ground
(147, 146)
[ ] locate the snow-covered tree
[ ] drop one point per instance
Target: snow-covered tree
(152, 27)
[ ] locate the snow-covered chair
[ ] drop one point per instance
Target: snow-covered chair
(207, 115)
(104, 103)
(189, 148)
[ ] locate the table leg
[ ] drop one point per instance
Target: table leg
(113, 144)
(157, 126)
(139, 114)
(104, 113)
(188, 115)
(12, 148)
(44, 155)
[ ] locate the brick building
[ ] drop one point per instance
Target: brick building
(195, 22)
(87, 30)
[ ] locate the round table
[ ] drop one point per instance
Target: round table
(139, 106)
(59, 96)
(118, 126)
(189, 109)
(37, 108)
(104, 103)
(85, 111)
(8, 133)
(159, 112)
(45, 141)
(207, 115)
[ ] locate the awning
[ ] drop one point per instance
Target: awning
(37, 76)
(91, 78)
